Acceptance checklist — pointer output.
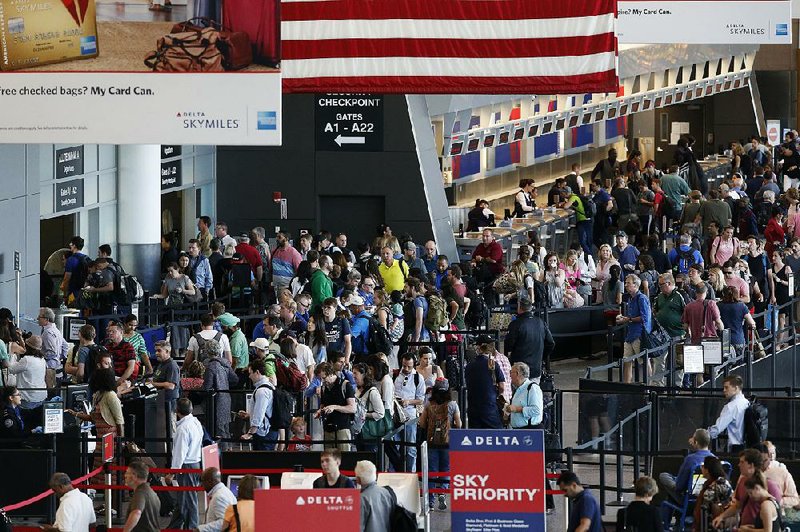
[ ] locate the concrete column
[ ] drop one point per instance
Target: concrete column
(139, 212)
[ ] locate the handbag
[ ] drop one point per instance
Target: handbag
(375, 429)
(399, 416)
(237, 52)
(189, 51)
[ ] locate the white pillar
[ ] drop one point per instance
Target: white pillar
(139, 212)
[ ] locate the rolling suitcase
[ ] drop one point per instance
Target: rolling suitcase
(260, 19)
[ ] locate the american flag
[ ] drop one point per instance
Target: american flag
(449, 46)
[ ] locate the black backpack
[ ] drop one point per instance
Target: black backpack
(401, 519)
(589, 207)
(686, 259)
(453, 371)
(756, 423)
(379, 339)
(282, 407)
(477, 313)
(540, 295)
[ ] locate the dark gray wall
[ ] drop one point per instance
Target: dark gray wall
(248, 176)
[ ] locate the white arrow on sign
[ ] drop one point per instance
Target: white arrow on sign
(348, 140)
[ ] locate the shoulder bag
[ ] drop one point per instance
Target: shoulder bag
(189, 51)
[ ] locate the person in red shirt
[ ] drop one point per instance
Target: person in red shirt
(774, 233)
(251, 255)
(301, 441)
(122, 353)
(487, 261)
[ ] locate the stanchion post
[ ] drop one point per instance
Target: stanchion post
(610, 352)
(602, 450)
(636, 447)
(619, 463)
(107, 468)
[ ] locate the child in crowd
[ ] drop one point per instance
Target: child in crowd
(300, 441)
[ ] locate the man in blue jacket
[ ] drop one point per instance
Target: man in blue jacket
(676, 486)
(528, 340)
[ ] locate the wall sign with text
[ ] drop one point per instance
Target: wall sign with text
(69, 162)
(69, 195)
(171, 175)
(349, 122)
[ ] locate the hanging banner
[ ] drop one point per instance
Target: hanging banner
(704, 22)
(122, 108)
(498, 480)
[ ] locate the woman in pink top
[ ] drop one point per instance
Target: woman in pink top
(572, 270)
(605, 262)
(724, 246)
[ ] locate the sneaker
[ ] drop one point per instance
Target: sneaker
(442, 502)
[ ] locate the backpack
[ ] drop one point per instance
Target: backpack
(439, 425)
(540, 295)
(207, 348)
(686, 259)
(437, 314)
(379, 339)
(82, 273)
(396, 327)
(670, 208)
(401, 519)
(289, 375)
(756, 422)
(127, 288)
(589, 207)
(477, 313)
(507, 283)
(282, 406)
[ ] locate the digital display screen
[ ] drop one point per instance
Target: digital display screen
(635, 107)
(472, 145)
(709, 90)
(737, 83)
(560, 123)
(668, 100)
(658, 101)
(488, 141)
(519, 133)
(678, 96)
(727, 85)
(587, 117)
(623, 110)
(698, 93)
(599, 115)
(533, 130)
(573, 120)
(547, 127)
(504, 137)
(646, 104)
(612, 112)
(456, 147)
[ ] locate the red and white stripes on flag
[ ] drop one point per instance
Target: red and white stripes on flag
(449, 46)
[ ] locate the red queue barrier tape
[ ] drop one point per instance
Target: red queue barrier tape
(36, 498)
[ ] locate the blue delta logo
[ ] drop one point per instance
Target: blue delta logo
(781, 29)
(267, 120)
(88, 45)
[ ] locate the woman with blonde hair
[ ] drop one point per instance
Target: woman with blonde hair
(604, 264)
(716, 279)
(571, 268)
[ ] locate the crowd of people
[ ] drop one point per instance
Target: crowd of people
(344, 328)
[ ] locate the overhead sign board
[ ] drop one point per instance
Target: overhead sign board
(69, 162)
(69, 195)
(704, 22)
(349, 122)
(498, 480)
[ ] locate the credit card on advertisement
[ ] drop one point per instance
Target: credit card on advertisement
(38, 32)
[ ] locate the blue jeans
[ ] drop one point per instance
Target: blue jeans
(438, 461)
(585, 236)
(265, 443)
(186, 512)
(409, 451)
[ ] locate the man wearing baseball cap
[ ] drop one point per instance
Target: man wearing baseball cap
(411, 259)
(261, 346)
(359, 327)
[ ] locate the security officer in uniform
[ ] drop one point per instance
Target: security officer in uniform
(11, 424)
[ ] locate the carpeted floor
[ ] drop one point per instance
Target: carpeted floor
(123, 47)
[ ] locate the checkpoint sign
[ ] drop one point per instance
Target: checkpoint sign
(304, 510)
(497, 480)
(349, 122)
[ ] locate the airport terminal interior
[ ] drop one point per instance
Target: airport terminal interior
(468, 310)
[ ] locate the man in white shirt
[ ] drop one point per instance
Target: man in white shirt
(207, 332)
(260, 410)
(220, 497)
(731, 419)
(75, 509)
(187, 450)
(409, 388)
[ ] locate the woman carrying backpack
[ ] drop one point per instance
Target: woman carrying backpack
(437, 419)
